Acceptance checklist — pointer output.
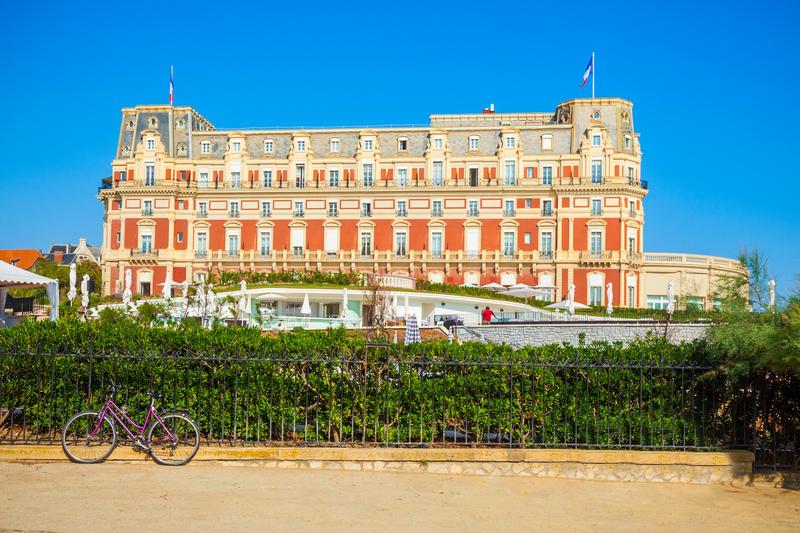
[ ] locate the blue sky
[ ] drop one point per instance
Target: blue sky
(713, 87)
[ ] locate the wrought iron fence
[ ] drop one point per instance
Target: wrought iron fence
(521, 401)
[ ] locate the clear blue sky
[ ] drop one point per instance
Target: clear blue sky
(714, 85)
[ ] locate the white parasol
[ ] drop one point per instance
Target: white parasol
(670, 298)
(211, 300)
(571, 299)
(344, 302)
(73, 277)
(167, 289)
(126, 294)
(306, 308)
(528, 292)
(518, 286)
(243, 307)
(85, 291)
(493, 286)
(184, 289)
(771, 284)
(565, 304)
(609, 298)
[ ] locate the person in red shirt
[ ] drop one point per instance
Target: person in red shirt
(487, 315)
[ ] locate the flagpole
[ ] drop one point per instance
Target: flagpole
(594, 71)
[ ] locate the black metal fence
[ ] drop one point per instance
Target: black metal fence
(379, 400)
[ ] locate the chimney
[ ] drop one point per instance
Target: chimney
(491, 108)
(82, 241)
(58, 257)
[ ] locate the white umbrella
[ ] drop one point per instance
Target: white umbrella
(571, 299)
(405, 305)
(85, 291)
(519, 286)
(393, 309)
(270, 297)
(184, 289)
(306, 308)
(211, 300)
(493, 286)
(670, 298)
(771, 284)
(73, 277)
(528, 292)
(126, 294)
(565, 304)
(609, 298)
(243, 307)
(167, 290)
(412, 329)
(344, 302)
(201, 298)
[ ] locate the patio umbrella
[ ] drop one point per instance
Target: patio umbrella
(412, 330)
(609, 298)
(344, 302)
(167, 290)
(211, 300)
(306, 308)
(571, 299)
(126, 294)
(243, 307)
(771, 284)
(73, 279)
(405, 305)
(528, 292)
(493, 286)
(393, 309)
(85, 291)
(564, 304)
(519, 286)
(670, 298)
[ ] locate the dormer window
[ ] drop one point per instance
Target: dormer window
(153, 122)
(596, 139)
(437, 143)
(474, 142)
(301, 145)
(547, 142)
(236, 146)
(367, 145)
(181, 123)
(335, 146)
(126, 149)
(130, 124)
(511, 142)
(268, 145)
(627, 141)
(402, 144)
(151, 144)
(205, 147)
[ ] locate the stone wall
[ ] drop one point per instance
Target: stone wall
(518, 335)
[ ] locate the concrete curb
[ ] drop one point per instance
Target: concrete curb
(613, 465)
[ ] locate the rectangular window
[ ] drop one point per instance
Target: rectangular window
(657, 301)
(149, 174)
(401, 208)
(300, 176)
(333, 178)
(474, 180)
(202, 209)
(367, 168)
(179, 237)
(119, 237)
(510, 177)
(631, 296)
(437, 143)
(472, 209)
(268, 146)
(237, 147)
(333, 209)
(298, 209)
(205, 147)
(547, 208)
(597, 209)
(301, 145)
(436, 244)
(151, 144)
(147, 244)
(595, 140)
(627, 141)
(695, 303)
(123, 175)
(236, 180)
(265, 243)
(234, 211)
(473, 143)
(266, 209)
(547, 175)
(202, 243)
(529, 172)
(367, 145)
(509, 210)
(595, 295)
(547, 142)
(596, 242)
(509, 246)
(631, 245)
(511, 142)
(366, 244)
(438, 174)
(526, 238)
(402, 145)
(233, 245)
(528, 203)
(202, 181)
(472, 236)
(597, 171)
(437, 208)
(400, 241)
(547, 242)
(331, 241)
(267, 177)
(402, 177)
(148, 208)
(335, 145)
(366, 209)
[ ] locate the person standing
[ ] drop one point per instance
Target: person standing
(487, 315)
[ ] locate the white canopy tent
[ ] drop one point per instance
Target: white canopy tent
(11, 276)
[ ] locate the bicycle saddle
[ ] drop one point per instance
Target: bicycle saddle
(155, 395)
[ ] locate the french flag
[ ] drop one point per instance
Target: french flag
(589, 70)
(171, 87)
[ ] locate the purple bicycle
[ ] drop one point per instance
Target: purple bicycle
(170, 437)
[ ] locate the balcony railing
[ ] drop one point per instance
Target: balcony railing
(597, 212)
(632, 212)
(366, 213)
(265, 252)
(201, 254)
(509, 212)
(233, 214)
(547, 211)
(473, 212)
(436, 212)
(297, 252)
(633, 256)
(598, 180)
(147, 212)
(401, 254)
(402, 213)
(233, 253)
(436, 254)
(546, 255)
(266, 213)
(593, 256)
(144, 252)
(202, 214)
(472, 254)
(298, 213)
(333, 212)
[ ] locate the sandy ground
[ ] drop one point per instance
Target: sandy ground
(251, 497)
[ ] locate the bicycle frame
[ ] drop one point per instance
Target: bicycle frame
(118, 414)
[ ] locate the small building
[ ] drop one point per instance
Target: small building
(66, 254)
(24, 259)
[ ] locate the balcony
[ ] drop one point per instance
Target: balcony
(144, 253)
(402, 213)
(598, 180)
(366, 253)
(632, 212)
(547, 212)
(202, 214)
(509, 254)
(266, 213)
(597, 212)
(509, 212)
(147, 212)
(634, 257)
(546, 255)
(472, 212)
(201, 254)
(298, 252)
(233, 254)
(472, 255)
(436, 212)
(233, 214)
(436, 254)
(510, 182)
(264, 253)
(595, 257)
(298, 213)
(401, 253)
(366, 213)
(333, 212)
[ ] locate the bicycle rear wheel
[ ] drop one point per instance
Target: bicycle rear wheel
(174, 440)
(79, 442)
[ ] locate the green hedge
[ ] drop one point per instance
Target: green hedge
(324, 387)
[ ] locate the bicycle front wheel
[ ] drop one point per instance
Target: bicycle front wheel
(174, 440)
(86, 439)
